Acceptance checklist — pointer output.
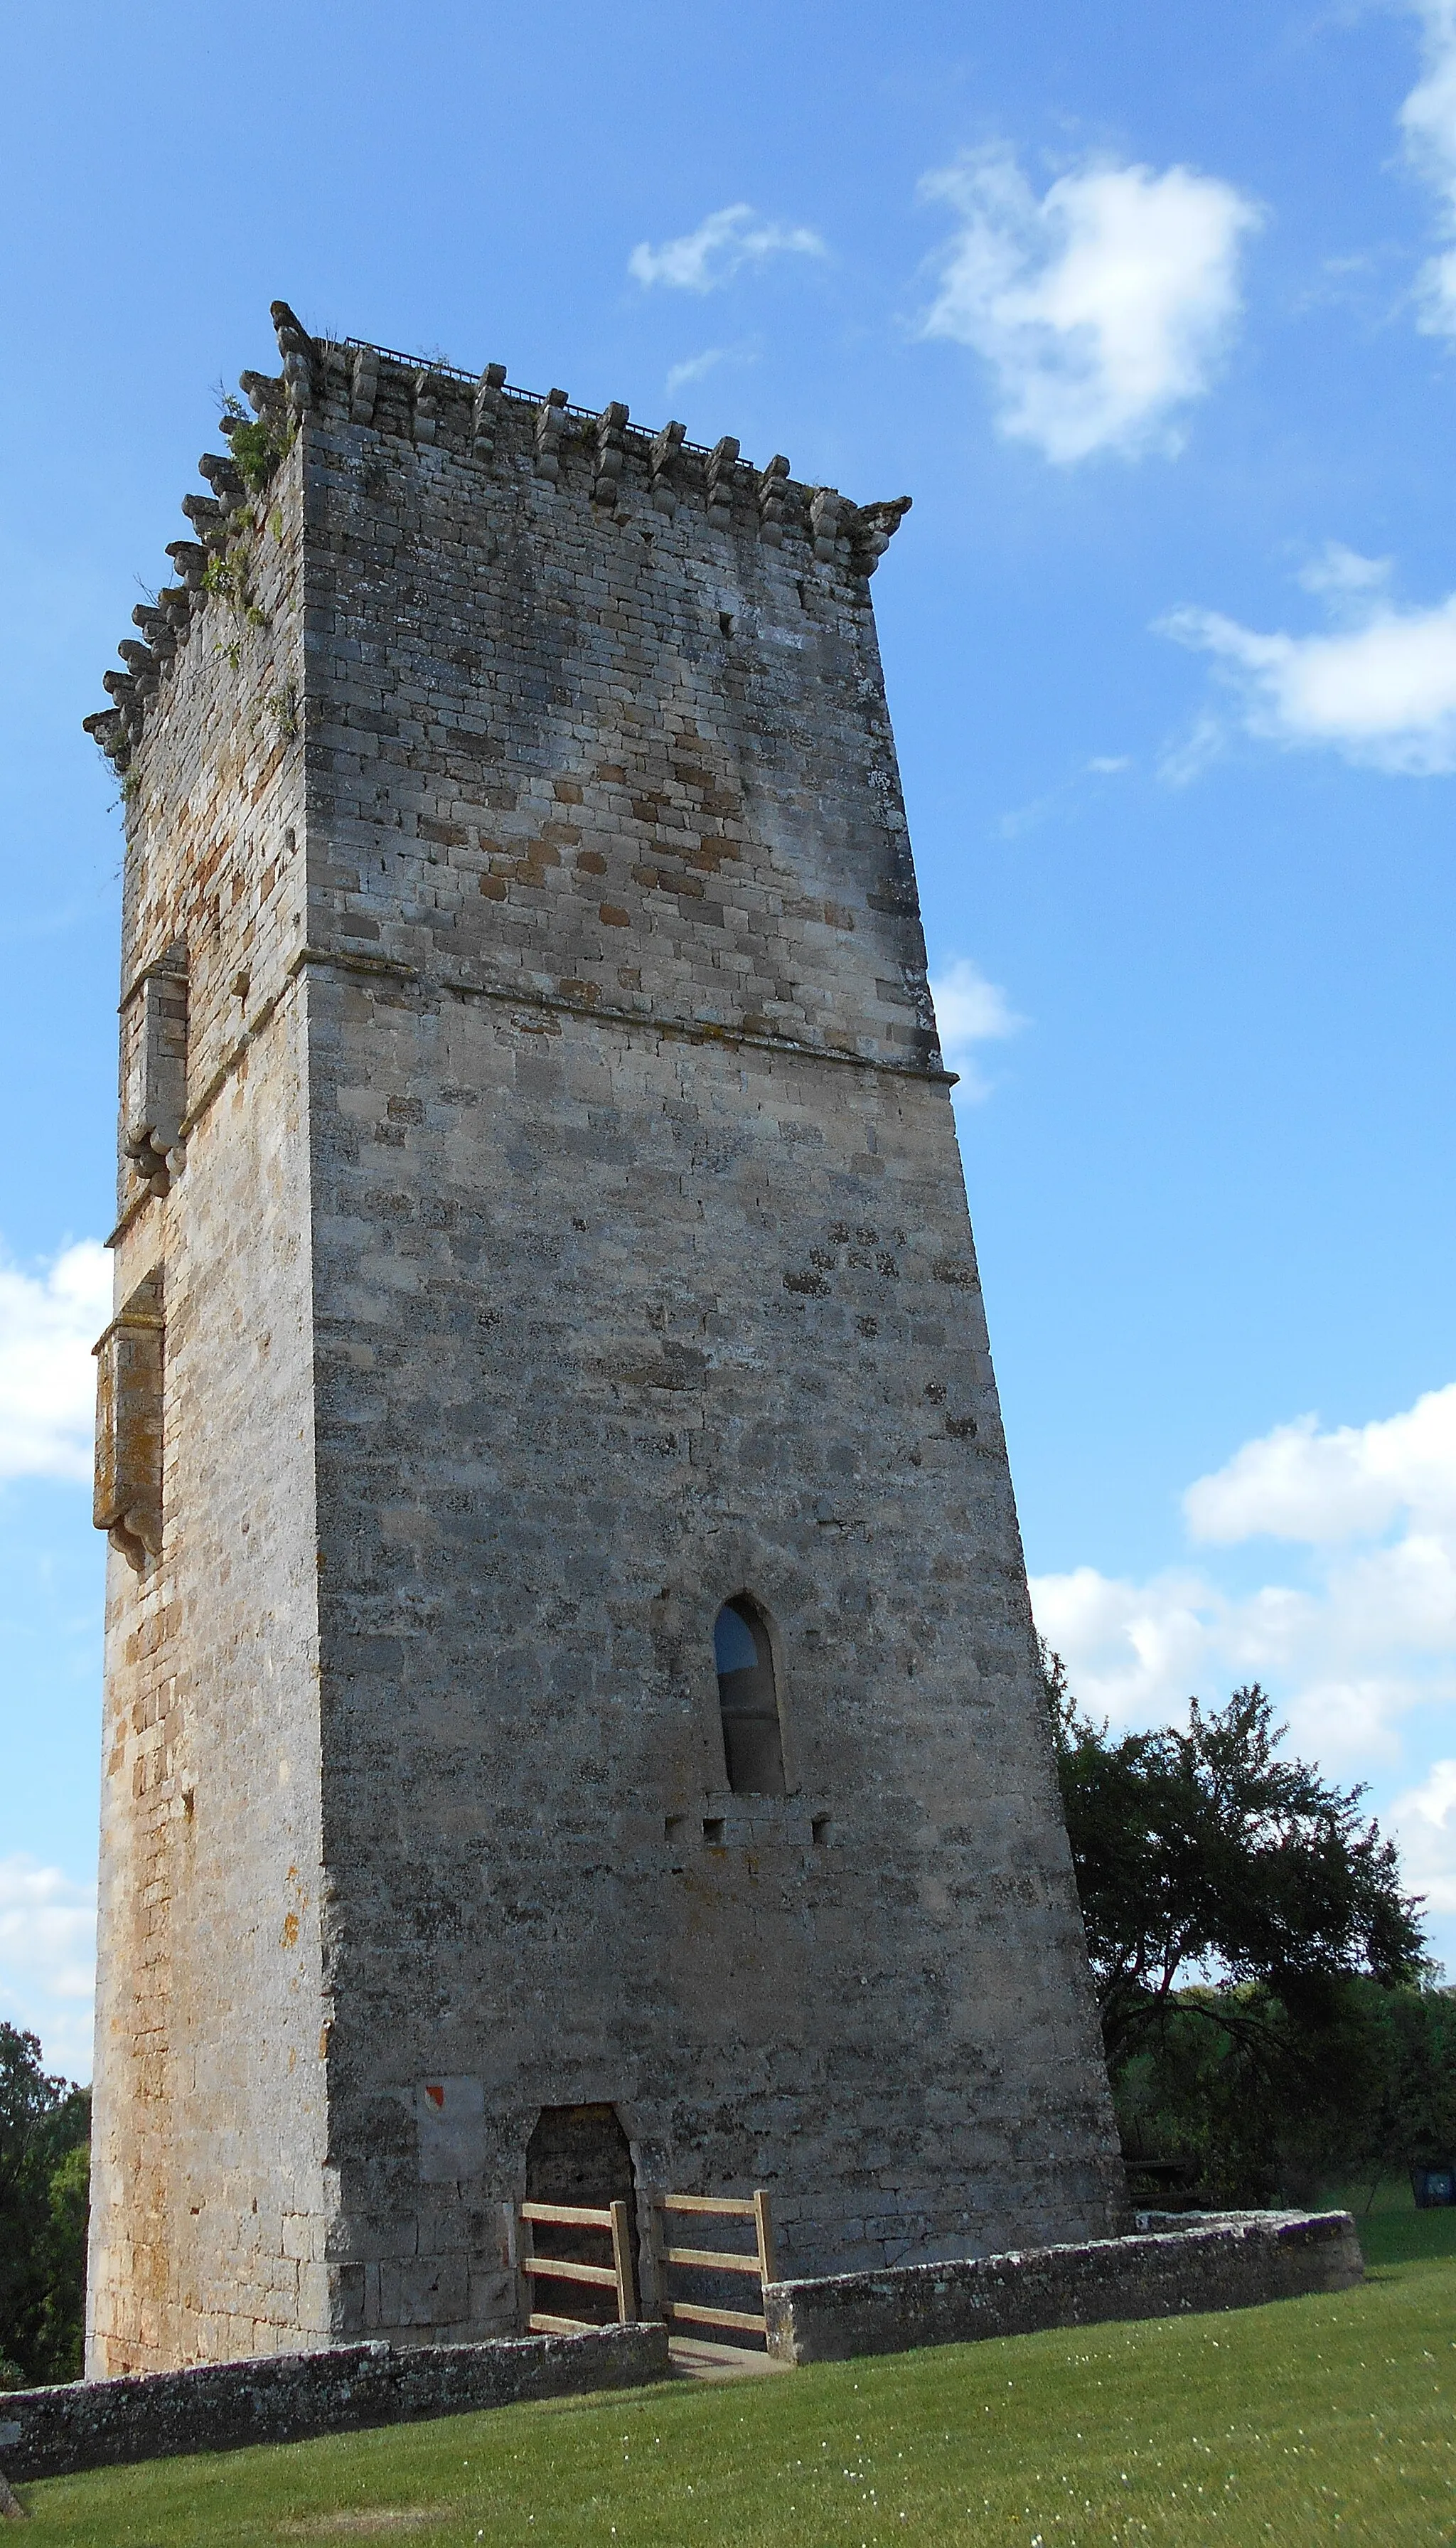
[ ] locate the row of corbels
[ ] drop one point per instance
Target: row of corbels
(867, 528)
(164, 623)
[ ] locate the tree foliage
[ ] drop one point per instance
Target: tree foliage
(1201, 1853)
(44, 2131)
(1268, 2014)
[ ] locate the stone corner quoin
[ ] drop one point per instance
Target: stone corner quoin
(542, 1253)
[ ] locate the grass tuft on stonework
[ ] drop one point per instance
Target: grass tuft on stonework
(1308, 2421)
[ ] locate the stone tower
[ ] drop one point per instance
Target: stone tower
(571, 1688)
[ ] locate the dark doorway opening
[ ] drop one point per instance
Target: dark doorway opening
(579, 2154)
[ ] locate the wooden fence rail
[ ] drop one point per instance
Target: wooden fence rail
(616, 2219)
(664, 2255)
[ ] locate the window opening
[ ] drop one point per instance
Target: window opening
(753, 1737)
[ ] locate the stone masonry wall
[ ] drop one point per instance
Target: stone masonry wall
(643, 1277)
(563, 1234)
(208, 2187)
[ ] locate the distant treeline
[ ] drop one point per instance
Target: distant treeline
(45, 2162)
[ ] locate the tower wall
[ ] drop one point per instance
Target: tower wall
(208, 2203)
(591, 1170)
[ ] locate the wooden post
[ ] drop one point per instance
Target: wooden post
(655, 2296)
(525, 2247)
(764, 2219)
(621, 2256)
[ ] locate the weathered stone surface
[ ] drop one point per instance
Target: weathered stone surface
(563, 1233)
(1230, 2260)
(291, 2397)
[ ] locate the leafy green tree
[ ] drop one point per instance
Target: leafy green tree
(44, 2131)
(1202, 1855)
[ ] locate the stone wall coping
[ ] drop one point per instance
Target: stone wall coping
(297, 2397)
(1219, 2261)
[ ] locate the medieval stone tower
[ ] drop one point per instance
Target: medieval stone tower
(570, 1692)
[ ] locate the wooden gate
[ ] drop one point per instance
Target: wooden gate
(616, 2219)
(666, 2257)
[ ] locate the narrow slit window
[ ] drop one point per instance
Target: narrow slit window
(753, 1737)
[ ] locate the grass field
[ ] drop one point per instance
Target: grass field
(1317, 2419)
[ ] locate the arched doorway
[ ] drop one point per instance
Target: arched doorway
(579, 2154)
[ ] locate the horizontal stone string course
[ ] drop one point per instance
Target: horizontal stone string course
(296, 2396)
(1234, 2261)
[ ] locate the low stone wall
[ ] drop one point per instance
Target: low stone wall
(291, 2397)
(1230, 2260)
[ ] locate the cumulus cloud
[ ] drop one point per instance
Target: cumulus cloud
(47, 1959)
(1380, 689)
(1297, 1483)
(48, 1323)
(1366, 1639)
(970, 1011)
(1102, 308)
(718, 248)
(1425, 1822)
(695, 367)
(1429, 124)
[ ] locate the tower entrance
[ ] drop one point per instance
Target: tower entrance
(579, 2154)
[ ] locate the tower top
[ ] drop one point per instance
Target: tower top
(592, 456)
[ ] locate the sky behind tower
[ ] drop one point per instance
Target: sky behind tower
(1153, 313)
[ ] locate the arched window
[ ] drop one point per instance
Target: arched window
(753, 1739)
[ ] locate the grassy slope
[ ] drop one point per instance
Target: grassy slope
(1299, 2423)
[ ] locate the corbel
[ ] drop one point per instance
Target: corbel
(298, 351)
(206, 517)
(108, 729)
(157, 630)
(427, 402)
(722, 461)
(175, 604)
(773, 497)
(611, 452)
(872, 528)
(225, 479)
(550, 416)
(485, 418)
(266, 395)
(663, 457)
(363, 386)
(189, 560)
(827, 509)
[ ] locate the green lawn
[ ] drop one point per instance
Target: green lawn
(1309, 2421)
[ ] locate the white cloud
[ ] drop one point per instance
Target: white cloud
(1380, 688)
(1297, 1483)
(1381, 691)
(1428, 122)
(47, 1960)
(1102, 308)
(1355, 1650)
(696, 368)
(47, 1379)
(1424, 1823)
(715, 251)
(970, 1011)
(1342, 576)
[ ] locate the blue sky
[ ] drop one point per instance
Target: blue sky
(1154, 313)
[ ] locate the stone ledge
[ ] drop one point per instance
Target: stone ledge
(1230, 2260)
(294, 2397)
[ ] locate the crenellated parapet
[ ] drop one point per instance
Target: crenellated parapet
(597, 457)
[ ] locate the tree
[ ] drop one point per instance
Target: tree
(1200, 1854)
(44, 2130)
